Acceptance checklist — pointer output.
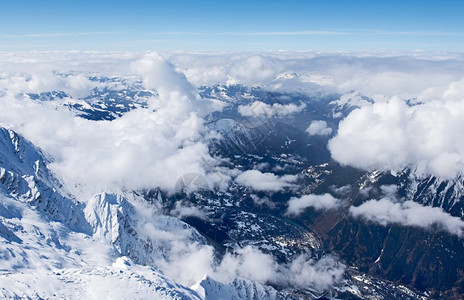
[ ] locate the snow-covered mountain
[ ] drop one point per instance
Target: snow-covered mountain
(121, 280)
(109, 99)
(24, 175)
(51, 242)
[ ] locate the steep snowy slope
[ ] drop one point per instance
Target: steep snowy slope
(120, 280)
(447, 194)
(237, 289)
(24, 175)
(51, 246)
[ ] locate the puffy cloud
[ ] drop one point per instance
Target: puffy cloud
(261, 201)
(256, 68)
(319, 274)
(35, 72)
(392, 135)
(302, 272)
(409, 213)
(249, 263)
(259, 108)
(188, 262)
(139, 150)
(259, 181)
(296, 205)
(176, 95)
(74, 85)
(144, 148)
(319, 128)
(182, 211)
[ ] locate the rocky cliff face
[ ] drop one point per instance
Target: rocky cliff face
(425, 258)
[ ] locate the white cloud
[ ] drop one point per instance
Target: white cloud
(319, 274)
(144, 148)
(392, 135)
(255, 68)
(176, 95)
(302, 272)
(261, 201)
(259, 108)
(296, 205)
(182, 211)
(319, 128)
(185, 259)
(374, 74)
(75, 85)
(265, 181)
(248, 262)
(409, 213)
(187, 263)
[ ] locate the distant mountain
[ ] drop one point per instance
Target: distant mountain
(103, 103)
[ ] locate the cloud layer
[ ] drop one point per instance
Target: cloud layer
(259, 181)
(392, 135)
(296, 205)
(319, 128)
(144, 148)
(259, 108)
(409, 213)
(376, 75)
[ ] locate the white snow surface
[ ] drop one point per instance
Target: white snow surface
(121, 280)
(238, 289)
(52, 246)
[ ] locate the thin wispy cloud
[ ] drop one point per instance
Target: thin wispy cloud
(350, 31)
(347, 32)
(300, 32)
(200, 40)
(63, 34)
(405, 33)
(245, 33)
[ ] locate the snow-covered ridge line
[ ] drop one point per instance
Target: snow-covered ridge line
(24, 174)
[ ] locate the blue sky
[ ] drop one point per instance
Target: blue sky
(234, 25)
